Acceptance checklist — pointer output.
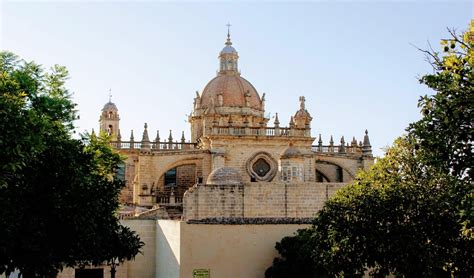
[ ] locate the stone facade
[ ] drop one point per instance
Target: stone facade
(277, 200)
(229, 130)
(238, 186)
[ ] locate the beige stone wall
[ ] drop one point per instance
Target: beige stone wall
(121, 271)
(144, 264)
(238, 152)
(168, 239)
(230, 250)
(259, 199)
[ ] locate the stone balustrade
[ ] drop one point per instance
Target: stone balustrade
(260, 131)
(337, 149)
(153, 146)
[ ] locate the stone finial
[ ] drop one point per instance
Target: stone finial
(93, 134)
(145, 144)
(292, 122)
(157, 138)
(156, 142)
(132, 140)
(342, 147)
(366, 147)
(354, 142)
(183, 140)
(145, 137)
(302, 117)
(331, 144)
(170, 138)
(302, 103)
(320, 143)
(277, 121)
(119, 136)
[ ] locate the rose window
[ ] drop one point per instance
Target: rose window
(261, 167)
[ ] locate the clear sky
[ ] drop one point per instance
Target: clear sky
(353, 61)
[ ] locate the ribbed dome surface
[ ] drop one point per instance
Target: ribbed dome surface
(109, 106)
(228, 49)
(290, 152)
(224, 176)
(233, 89)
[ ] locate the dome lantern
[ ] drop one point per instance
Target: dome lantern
(228, 57)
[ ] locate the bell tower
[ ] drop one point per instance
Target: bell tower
(109, 119)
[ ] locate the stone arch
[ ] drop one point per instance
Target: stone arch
(331, 173)
(186, 171)
(324, 178)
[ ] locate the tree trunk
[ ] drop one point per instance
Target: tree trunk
(112, 271)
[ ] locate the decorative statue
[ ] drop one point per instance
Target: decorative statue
(197, 101)
(220, 99)
(247, 98)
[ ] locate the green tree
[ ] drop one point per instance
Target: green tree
(58, 197)
(411, 214)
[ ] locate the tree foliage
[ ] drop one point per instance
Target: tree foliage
(58, 197)
(411, 214)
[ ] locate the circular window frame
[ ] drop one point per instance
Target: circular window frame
(269, 159)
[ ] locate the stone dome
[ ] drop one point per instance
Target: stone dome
(290, 152)
(234, 90)
(224, 176)
(302, 113)
(228, 49)
(110, 106)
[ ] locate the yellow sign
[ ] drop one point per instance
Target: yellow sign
(201, 273)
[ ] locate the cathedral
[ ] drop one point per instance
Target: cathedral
(229, 131)
(218, 202)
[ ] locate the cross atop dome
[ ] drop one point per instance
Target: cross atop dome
(229, 42)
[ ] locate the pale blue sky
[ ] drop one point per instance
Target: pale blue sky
(352, 60)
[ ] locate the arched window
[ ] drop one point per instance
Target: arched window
(339, 174)
(170, 178)
(120, 172)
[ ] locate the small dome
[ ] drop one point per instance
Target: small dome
(290, 152)
(234, 89)
(302, 113)
(228, 49)
(224, 176)
(110, 106)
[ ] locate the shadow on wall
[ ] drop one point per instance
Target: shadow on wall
(168, 248)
